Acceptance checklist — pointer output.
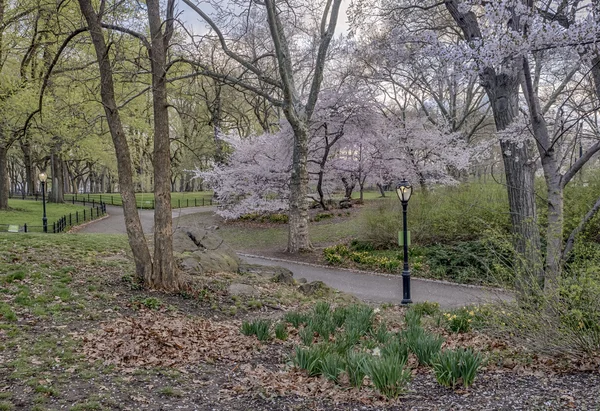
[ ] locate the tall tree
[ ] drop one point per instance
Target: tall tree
(297, 104)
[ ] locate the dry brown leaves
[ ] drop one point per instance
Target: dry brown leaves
(294, 382)
(155, 339)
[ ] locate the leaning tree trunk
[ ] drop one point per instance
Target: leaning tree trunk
(57, 190)
(298, 239)
(135, 233)
(4, 183)
(164, 275)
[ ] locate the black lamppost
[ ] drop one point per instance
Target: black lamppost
(43, 178)
(404, 191)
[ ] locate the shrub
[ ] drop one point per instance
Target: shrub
(322, 216)
(453, 366)
(281, 332)
(338, 316)
(331, 366)
(247, 328)
(389, 377)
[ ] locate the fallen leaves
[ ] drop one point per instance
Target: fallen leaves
(155, 339)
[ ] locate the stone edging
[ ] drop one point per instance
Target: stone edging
(479, 287)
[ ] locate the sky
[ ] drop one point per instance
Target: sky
(191, 19)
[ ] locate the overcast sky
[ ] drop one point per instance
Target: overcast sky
(191, 19)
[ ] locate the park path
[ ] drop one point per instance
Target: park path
(367, 286)
(115, 222)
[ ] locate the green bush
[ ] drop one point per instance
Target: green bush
(322, 216)
(389, 377)
(453, 366)
(443, 215)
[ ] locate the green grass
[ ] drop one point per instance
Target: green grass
(146, 200)
(30, 212)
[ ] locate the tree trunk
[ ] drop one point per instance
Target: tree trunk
(519, 169)
(164, 275)
(135, 234)
(29, 169)
(381, 190)
(348, 187)
(298, 239)
(4, 183)
(56, 194)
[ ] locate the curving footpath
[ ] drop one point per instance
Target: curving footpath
(367, 286)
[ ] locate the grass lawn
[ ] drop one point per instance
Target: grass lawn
(146, 200)
(30, 212)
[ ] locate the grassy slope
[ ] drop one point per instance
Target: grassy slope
(30, 212)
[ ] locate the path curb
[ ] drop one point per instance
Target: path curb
(478, 287)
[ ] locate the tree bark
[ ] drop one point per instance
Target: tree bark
(135, 233)
(29, 169)
(164, 275)
(298, 239)
(519, 169)
(4, 183)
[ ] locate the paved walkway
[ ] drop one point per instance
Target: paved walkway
(115, 222)
(366, 286)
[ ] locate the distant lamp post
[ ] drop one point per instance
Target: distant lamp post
(404, 191)
(43, 178)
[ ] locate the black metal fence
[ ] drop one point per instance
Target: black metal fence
(62, 224)
(116, 200)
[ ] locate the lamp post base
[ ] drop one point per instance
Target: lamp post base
(406, 287)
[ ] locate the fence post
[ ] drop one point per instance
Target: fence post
(77, 217)
(100, 197)
(211, 201)
(195, 205)
(73, 198)
(70, 219)
(54, 227)
(187, 202)
(84, 214)
(202, 201)
(88, 197)
(25, 227)
(93, 202)
(179, 203)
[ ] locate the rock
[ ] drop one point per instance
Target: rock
(302, 280)
(202, 251)
(243, 290)
(274, 273)
(345, 203)
(312, 287)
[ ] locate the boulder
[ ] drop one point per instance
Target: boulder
(202, 251)
(313, 287)
(274, 273)
(242, 290)
(345, 203)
